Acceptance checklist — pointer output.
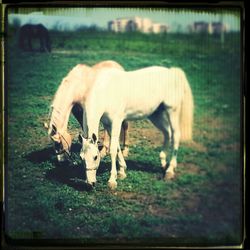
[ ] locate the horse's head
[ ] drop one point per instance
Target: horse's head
(62, 143)
(90, 152)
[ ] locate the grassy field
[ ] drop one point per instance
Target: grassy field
(201, 206)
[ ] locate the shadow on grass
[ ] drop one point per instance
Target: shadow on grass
(40, 155)
(67, 172)
(47, 154)
(143, 166)
(74, 175)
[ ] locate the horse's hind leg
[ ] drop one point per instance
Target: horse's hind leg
(164, 153)
(124, 137)
(160, 120)
(175, 130)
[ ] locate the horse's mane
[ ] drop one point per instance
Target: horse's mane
(73, 89)
(75, 85)
(75, 76)
(78, 74)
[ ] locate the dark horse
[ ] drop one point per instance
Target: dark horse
(34, 31)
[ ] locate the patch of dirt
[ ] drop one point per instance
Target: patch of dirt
(150, 202)
(189, 168)
(148, 134)
(156, 210)
(135, 196)
(198, 147)
(126, 195)
(176, 194)
(213, 122)
(212, 133)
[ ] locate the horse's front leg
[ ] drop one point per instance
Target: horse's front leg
(114, 145)
(122, 164)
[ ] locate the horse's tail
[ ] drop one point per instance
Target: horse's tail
(186, 112)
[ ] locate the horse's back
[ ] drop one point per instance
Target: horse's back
(146, 79)
(107, 64)
(138, 92)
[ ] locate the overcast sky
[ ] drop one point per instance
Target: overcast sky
(101, 16)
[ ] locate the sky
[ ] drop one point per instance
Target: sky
(100, 17)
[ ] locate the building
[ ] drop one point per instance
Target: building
(159, 28)
(144, 25)
(218, 27)
(210, 28)
(201, 27)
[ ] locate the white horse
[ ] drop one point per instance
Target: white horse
(160, 94)
(71, 96)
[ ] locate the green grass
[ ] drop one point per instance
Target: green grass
(202, 206)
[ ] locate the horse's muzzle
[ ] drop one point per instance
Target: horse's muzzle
(62, 156)
(91, 177)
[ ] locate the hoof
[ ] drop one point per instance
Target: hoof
(122, 175)
(112, 185)
(169, 176)
(125, 152)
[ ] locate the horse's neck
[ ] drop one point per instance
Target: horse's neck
(60, 117)
(92, 116)
(62, 106)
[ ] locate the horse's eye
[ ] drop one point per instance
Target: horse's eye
(95, 158)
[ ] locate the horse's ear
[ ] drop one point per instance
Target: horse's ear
(81, 139)
(94, 138)
(45, 125)
(54, 129)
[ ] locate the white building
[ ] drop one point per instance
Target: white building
(144, 25)
(159, 28)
